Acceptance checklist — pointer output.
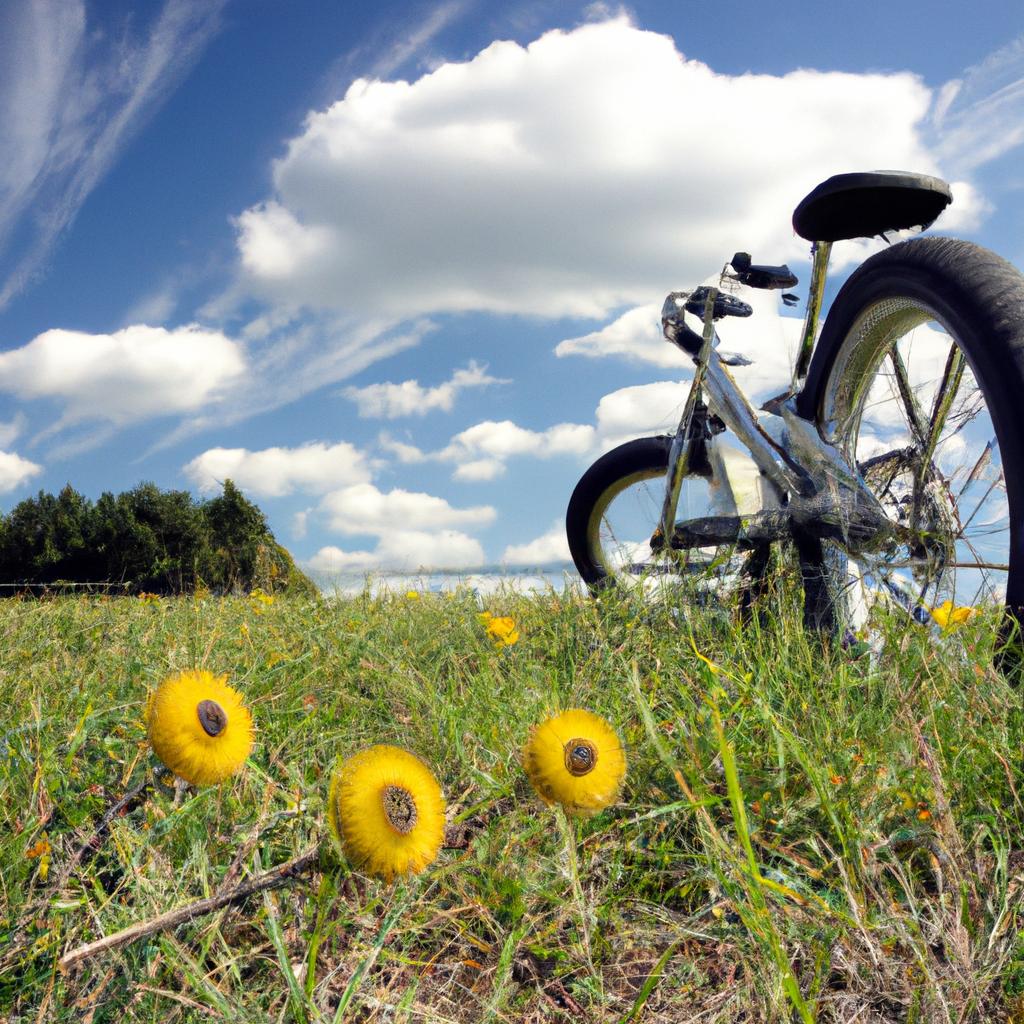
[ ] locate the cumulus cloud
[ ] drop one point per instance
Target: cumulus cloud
(363, 509)
(502, 439)
(575, 175)
(407, 454)
(635, 336)
(272, 472)
(132, 374)
(405, 551)
(14, 471)
(410, 398)
(547, 549)
(768, 339)
(479, 469)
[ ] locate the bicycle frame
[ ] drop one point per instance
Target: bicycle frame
(803, 467)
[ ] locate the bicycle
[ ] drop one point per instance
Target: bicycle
(897, 462)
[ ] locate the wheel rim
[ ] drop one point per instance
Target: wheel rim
(625, 517)
(904, 404)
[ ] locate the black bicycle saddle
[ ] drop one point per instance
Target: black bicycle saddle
(869, 203)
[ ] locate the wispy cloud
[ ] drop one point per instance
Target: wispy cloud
(386, 51)
(71, 98)
(980, 116)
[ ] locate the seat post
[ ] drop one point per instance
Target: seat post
(821, 252)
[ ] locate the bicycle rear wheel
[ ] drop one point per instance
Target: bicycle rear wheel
(918, 378)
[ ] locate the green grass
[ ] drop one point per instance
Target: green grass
(803, 835)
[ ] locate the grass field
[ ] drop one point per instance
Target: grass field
(803, 835)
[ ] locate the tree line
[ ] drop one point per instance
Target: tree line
(144, 541)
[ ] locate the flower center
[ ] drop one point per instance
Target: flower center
(399, 809)
(212, 717)
(580, 756)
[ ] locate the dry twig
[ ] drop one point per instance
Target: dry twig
(272, 879)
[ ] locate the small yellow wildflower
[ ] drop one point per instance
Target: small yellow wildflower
(199, 727)
(42, 850)
(386, 810)
(948, 617)
(412, 595)
(38, 849)
(257, 595)
(576, 760)
(501, 629)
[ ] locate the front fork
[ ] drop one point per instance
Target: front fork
(679, 453)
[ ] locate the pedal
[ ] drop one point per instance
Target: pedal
(754, 275)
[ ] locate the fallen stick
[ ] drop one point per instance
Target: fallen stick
(272, 879)
(139, 790)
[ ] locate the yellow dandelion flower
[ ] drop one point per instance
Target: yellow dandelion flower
(412, 595)
(948, 616)
(199, 727)
(387, 812)
(575, 759)
(501, 629)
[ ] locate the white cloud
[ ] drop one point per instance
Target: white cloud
(363, 509)
(405, 550)
(980, 117)
(603, 150)
(14, 471)
(408, 454)
(635, 335)
(272, 472)
(767, 338)
(500, 440)
(11, 431)
(71, 98)
(410, 398)
(479, 469)
(546, 549)
(132, 374)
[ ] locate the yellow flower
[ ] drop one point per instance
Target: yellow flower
(199, 727)
(575, 759)
(387, 812)
(947, 616)
(41, 850)
(502, 630)
(412, 595)
(257, 595)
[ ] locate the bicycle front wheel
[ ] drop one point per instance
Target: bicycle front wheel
(615, 511)
(918, 378)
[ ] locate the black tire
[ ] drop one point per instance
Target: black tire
(646, 457)
(977, 299)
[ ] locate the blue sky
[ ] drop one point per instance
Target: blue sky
(395, 268)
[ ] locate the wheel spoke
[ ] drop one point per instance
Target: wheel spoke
(915, 417)
(984, 498)
(948, 387)
(983, 460)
